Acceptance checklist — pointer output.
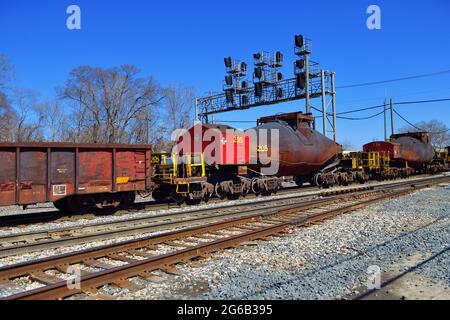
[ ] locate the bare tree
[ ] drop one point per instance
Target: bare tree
(6, 71)
(109, 104)
(347, 145)
(179, 103)
(439, 132)
(19, 120)
(54, 120)
(7, 119)
(29, 123)
(178, 109)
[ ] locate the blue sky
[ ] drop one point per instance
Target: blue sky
(185, 42)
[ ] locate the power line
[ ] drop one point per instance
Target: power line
(362, 118)
(403, 118)
(339, 114)
(394, 80)
(414, 126)
(234, 121)
(423, 101)
(362, 109)
(396, 103)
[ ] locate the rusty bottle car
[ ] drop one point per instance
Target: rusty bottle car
(302, 151)
(415, 148)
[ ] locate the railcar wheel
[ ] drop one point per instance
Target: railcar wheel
(61, 204)
(255, 186)
(220, 193)
(177, 198)
(207, 196)
(128, 199)
(159, 194)
(298, 181)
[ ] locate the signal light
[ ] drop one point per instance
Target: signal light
(300, 80)
(299, 41)
(279, 76)
(243, 67)
(228, 62)
(258, 72)
(300, 64)
(278, 57)
(279, 93)
(229, 96)
(229, 80)
(258, 89)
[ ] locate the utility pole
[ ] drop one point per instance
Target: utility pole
(308, 106)
(392, 116)
(385, 129)
(333, 103)
(196, 110)
(324, 107)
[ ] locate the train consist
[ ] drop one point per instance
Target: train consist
(304, 156)
(209, 160)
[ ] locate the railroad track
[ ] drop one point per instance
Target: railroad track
(61, 216)
(118, 264)
(27, 242)
(22, 219)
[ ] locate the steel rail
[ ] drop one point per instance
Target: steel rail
(97, 279)
(68, 235)
(53, 216)
(19, 237)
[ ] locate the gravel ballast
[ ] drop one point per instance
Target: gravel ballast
(325, 261)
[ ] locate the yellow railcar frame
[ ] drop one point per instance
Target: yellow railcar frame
(170, 171)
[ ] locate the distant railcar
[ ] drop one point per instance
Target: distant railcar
(415, 148)
(411, 149)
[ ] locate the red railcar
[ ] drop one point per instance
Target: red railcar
(220, 144)
(73, 176)
(387, 148)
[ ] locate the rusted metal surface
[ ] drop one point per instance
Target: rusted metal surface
(8, 176)
(415, 148)
(412, 147)
(302, 150)
(45, 172)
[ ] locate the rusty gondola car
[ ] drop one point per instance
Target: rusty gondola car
(75, 177)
